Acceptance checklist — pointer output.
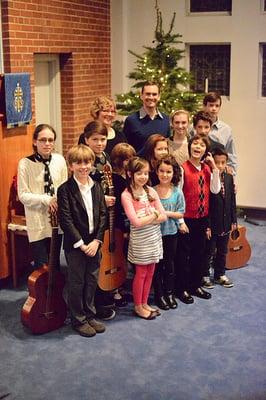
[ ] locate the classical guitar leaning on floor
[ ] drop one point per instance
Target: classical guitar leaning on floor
(112, 272)
(239, 250)
(45, 309)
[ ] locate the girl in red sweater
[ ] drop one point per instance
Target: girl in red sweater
(200, 176)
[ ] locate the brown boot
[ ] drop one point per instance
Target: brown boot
(85, 330)
(97, 325)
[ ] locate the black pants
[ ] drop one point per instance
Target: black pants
(103, 299)
(216, 254)
(164, 275)
(41, 250)
(190, 256)
(83, 274)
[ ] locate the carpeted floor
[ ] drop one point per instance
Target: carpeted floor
(212, 349)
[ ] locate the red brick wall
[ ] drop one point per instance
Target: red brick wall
(78, 30)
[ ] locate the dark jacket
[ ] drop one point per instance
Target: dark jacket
(222, 212)
(121, 220)
(73, 217)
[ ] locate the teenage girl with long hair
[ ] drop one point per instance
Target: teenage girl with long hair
(39, 176)
(178, 142)
(156, 147)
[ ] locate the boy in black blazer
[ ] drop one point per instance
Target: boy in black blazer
(222, 219)
(82, 216)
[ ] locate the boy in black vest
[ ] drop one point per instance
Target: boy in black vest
(222, 217)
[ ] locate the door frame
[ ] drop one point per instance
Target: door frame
(54, 92)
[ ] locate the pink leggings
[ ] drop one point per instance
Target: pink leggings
(142, 283)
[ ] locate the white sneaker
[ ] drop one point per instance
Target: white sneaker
(224, 281)
(207, 283)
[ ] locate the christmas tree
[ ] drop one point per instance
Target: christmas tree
(160, 64)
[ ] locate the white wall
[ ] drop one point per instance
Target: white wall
(133, 24)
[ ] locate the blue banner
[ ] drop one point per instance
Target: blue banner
(17, 99)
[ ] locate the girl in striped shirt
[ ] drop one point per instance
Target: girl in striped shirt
(145, 213)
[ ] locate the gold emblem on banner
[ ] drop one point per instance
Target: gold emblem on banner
(18, 98)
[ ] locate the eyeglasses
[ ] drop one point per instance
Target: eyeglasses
(44, 140)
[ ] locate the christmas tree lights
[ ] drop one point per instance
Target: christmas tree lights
(160, 64)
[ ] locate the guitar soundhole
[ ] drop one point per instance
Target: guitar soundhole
(235, 234)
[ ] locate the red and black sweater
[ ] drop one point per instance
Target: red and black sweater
(196, 190)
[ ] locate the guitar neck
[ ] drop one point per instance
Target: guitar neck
(111, 210)
(111, 217)
(52, 263)
(53, 249)
(111, 190)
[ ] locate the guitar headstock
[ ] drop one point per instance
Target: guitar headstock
(107, 171)
(53, 219)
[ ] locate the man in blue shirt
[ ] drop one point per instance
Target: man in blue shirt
(148, 120)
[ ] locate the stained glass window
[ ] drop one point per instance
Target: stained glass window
(210, 65)
(210, 5)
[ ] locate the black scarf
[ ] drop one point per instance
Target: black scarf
(48, 182)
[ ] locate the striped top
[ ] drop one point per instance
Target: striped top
(145, 242)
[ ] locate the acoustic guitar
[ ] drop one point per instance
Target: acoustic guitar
(239, 250)
(113, 270)
(45, 309)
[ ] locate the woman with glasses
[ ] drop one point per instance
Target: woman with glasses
(103, 109)
(39, 176)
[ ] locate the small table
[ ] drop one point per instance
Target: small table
(15, 230)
